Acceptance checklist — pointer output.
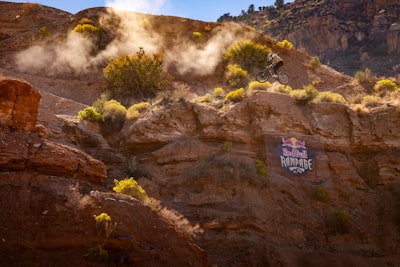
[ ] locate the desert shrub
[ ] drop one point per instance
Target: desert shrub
(236, 96)
(371, 101)
(180, 223)
(135, 110)
(305, 95)
(114, 117)
(98, 105)
(320, 193)
(96, 253)
(130, 187)
(140, 76)
(87, 29)
(90, 114)
(85, 21)
(198, 36)
(363, 76)
(219, 92)
(384, 86)
(314, 62)
(227, 146)
(44, 32)
(254, 85)
(285, 44)
(142, 106)
(235, 75)
(330, 97)
(207, 98)
(262, 168)
(247, 54)
(114, 111)
(342, 222)
(104, 224)
(132, 113)
(360, 109)
(281, 88)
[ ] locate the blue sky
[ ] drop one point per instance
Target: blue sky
(206, 10)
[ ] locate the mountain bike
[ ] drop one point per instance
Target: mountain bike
(268, 72)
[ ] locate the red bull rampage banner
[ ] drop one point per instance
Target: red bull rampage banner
(295, 156)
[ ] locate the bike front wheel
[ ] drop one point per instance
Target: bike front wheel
(283, 78)
(262, 76)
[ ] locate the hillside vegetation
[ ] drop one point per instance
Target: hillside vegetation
(145, 140)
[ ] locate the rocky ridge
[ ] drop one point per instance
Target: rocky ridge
(347, 35)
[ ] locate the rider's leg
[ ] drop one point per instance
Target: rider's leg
(277, 66)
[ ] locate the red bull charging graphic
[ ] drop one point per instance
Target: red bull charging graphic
(295, 156)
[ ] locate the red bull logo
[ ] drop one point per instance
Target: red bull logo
(295, 157)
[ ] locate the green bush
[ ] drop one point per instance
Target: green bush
(85, 21)
(129, 186)
(236, 96)
(262, 168)
(114, 110)
(132, 113)
(314, 62)
(330, 97)
(385, 86)
(96, 253)
(104, 224)
(135, 110)
(285, 44)
(44, 32)
(342, 222)
(320, 193)
(87, 29)
(219, 92)
(90, 114)
(142, 106)
(281, 88)
(371, 101)
(304, 96)
(235, 75)
(207, 98)
(198, 36)
(254, 85)
(247, 54)
(227, 146)
(138, 77)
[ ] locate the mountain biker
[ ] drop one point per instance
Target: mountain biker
(275, 62)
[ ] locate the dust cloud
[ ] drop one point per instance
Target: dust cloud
(73, 55)
(131, 30)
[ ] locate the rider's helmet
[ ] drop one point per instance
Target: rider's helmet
(270, 56)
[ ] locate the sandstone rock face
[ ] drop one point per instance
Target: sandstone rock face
(19, 105)
(23, 150)
(49, 220)
(50, 193)
(274, 220)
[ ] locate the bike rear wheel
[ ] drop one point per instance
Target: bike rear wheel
(262, 76)
(283, 78)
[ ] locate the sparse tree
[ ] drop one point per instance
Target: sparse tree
(251, 9)
(224, 17)
(279, 4)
